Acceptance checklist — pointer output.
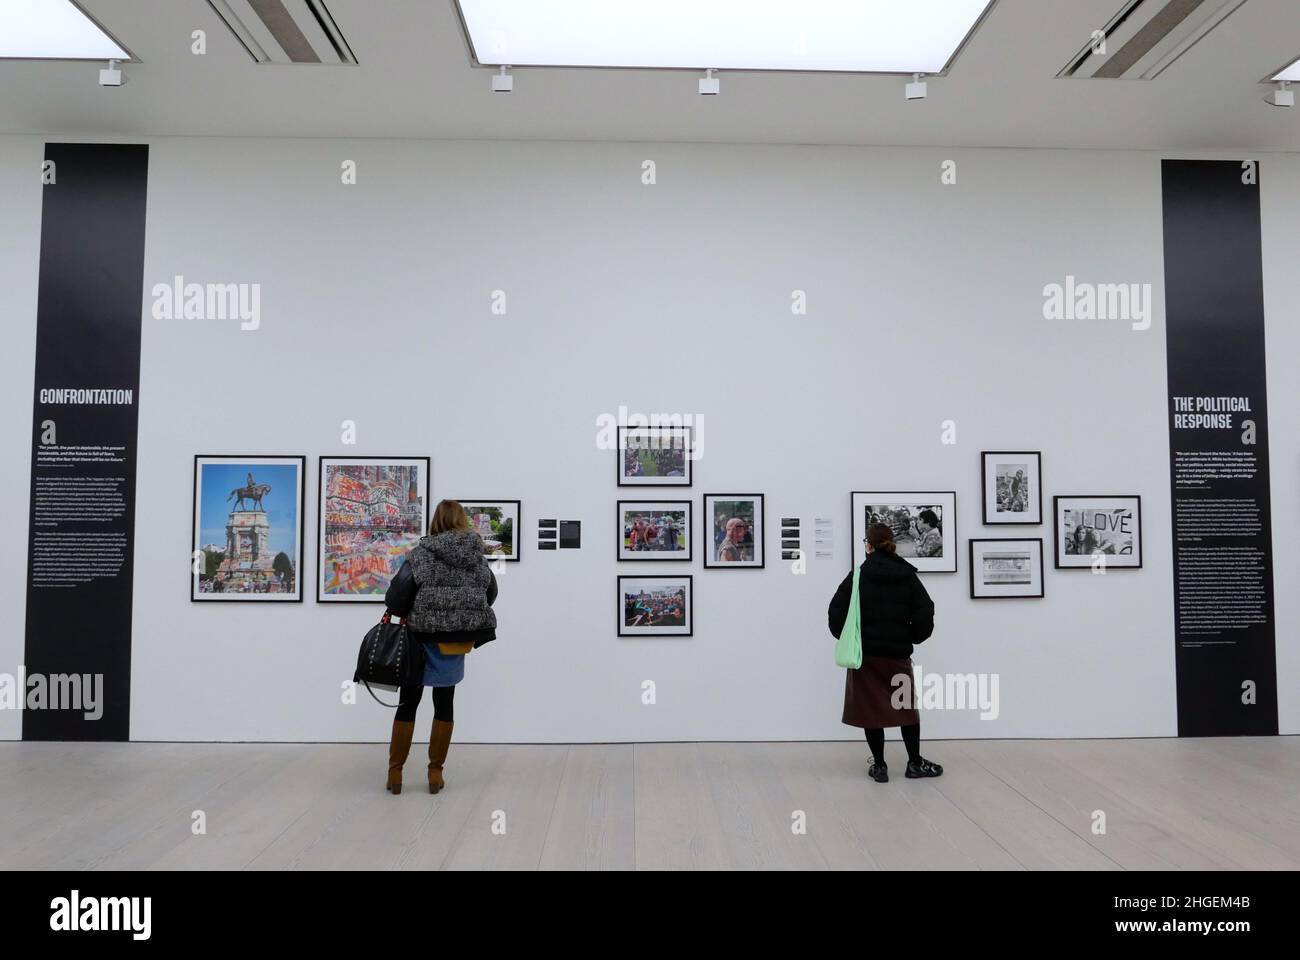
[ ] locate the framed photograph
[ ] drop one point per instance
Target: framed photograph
(654, 530)
(734, 531)
(1006, 568)
(370, 512)
(1013, 487)
(654, 606)
(247, 529)
(1093, 528)
(654, 456)
(498, 523)
(924, 525)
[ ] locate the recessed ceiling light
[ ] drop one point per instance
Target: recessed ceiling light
(53, 30)
(1291, 74)
(841, 36)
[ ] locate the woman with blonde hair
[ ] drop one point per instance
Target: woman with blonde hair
(445, 589)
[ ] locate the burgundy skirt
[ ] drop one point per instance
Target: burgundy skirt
(874, 698)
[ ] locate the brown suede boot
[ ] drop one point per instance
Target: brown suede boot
(398, 749)
(439, 741)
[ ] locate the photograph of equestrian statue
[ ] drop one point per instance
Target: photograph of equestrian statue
(248, 535)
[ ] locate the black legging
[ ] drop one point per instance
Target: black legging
(410, 702)
(911, 740)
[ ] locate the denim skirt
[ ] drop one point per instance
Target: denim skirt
(442, 669)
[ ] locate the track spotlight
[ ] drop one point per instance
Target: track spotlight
(1283, 96)
(710, 86)
(916, 90)
(112, 76)
(503, 82)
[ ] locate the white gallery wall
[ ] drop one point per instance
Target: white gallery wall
(924, 304)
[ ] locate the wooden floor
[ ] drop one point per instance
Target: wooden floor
(1168, 804)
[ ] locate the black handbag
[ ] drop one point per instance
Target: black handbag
(389, 657)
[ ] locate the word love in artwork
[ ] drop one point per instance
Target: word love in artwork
(1120, 521)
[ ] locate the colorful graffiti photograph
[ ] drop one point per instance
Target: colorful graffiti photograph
(372, 512)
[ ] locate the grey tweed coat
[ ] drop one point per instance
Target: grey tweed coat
(455, 588)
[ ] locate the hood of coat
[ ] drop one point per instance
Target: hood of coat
(883, 567)
(456, 548)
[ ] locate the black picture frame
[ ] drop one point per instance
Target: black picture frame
(857, 528)
(687, 481)
(760, 537)
(1058, 538)
(984, 487)
(689, 579)
(320, 519)
(518, 526)
(657, 556)
(195, 596)
(1042, 581)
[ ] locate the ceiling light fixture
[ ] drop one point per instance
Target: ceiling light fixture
(111, 76)
(1283, 96)
(839, 36)
(503, 82)
(916, 90)
(710, 86)
(54, 30)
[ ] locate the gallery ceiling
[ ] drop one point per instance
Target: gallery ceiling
(413, 79)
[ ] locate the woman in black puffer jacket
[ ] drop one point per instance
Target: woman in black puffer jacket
(446, 591)
(896, 614)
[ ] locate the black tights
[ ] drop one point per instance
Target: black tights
(911, 740)
(410, 702)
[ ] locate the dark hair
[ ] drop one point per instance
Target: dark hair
(881, 538)
(930, 517)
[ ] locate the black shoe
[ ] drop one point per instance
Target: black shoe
(878, 772)
(923, 768)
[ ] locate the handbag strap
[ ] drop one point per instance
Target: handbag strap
(377, 700)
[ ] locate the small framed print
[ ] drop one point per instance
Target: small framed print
(734, 531)
(924, 525)
(1092, 531)
(498, 522)
(1013, 487)
(655, 606)
(654, 456)
(654, 530)
(1006, 569)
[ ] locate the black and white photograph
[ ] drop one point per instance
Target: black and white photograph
(654, 530)
(1010, 569)
(1013, 487)
(734, 533)
(654, 456)
(655, 606)
(924, 526)
(1098, 532)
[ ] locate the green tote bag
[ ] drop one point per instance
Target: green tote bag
(848, 649)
